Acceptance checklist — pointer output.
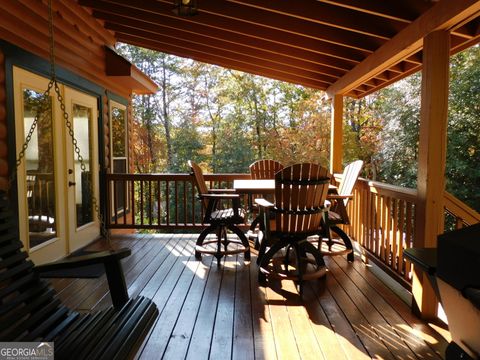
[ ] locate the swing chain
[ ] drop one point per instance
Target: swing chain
(41, 108)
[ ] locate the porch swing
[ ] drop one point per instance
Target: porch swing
(30, 308)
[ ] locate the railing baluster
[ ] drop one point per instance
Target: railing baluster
(125, 201)
(184, 202)
(388, 234)
(159, 205)
(132, 203)
(141, 202)
(408, 237)
(176, 202)
(395, 259)
(108, 217)
(192, 192)
(115, 202)
(167, 199)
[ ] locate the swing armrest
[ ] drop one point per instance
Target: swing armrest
(113, 269)
(84, 260)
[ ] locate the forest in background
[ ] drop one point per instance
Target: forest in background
(226, 119)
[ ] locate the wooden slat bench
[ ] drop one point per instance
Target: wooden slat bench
(31, 311)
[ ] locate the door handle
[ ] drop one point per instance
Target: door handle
(71, 183)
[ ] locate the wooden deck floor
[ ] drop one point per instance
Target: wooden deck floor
(222, 313)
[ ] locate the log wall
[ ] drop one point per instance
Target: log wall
(80, 40)
(3, 127)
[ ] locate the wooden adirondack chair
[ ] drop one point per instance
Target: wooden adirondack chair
(260, 169)
(297, 212)
(31, 311)
(337, 213)
(219, 220)
(264, 169)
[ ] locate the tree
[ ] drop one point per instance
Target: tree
(463, 148)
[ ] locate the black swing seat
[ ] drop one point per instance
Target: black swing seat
(30, 309)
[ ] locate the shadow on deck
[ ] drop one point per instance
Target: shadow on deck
(221, 313)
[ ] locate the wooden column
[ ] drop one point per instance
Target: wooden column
(336, 135)
(431, 159)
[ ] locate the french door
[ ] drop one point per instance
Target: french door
(56, 215)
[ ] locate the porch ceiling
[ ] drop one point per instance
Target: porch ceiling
(315, 43)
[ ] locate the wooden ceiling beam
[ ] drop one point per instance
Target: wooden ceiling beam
(283, 21)
(247, 38)
(212, 38)
(190, 43)
(444, 15)
(327, 14)
(405, 10)
(224, 62)
(223, 23)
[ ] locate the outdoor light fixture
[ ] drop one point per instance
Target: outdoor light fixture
(185, 7)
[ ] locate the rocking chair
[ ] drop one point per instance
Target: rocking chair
(219, 220)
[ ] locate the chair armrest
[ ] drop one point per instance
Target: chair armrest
(339, 197)
(84, 260)
(263, 203)
(113, 270)
(221, 191)
(220, 196)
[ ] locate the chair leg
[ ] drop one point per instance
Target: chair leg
(314, 251)
(252, 228)
(218, 254)
(265, 259)
(346, 240)
(201, 238)
(299, 254)
(242, 238)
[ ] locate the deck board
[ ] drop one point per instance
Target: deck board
(211, 312)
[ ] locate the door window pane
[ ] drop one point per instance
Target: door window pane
(39, 164)
(119, 146)
(119, 154)
(82, 116)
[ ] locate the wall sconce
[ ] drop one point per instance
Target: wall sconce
(185, 7)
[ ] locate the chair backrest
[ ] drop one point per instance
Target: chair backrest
(264, 169)
(197, 173)
(300, 193)
(349, 177)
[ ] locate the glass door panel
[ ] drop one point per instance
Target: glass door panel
(82, 117)
(40, 179)
(40, 168)
(82, 183)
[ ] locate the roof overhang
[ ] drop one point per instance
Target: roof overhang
(128, 74)
(347, 47)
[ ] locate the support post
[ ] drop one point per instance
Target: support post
(336, 134)
(431, 160)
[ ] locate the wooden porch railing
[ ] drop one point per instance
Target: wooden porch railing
(158, 201)
(460, 212)
(382, 220)
(382, 216)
